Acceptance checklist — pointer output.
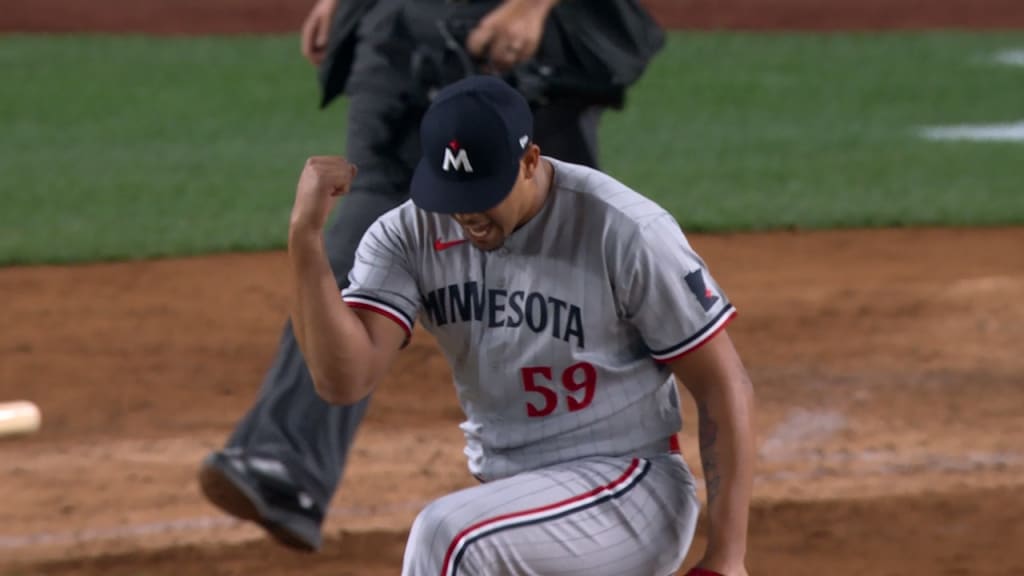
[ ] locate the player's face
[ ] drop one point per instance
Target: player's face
(488, 230)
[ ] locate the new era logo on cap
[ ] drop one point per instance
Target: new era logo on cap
(524, 141)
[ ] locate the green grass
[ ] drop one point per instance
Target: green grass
(136, 147)
(133, 147)
(753, 132)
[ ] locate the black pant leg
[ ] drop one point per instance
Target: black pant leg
(289, 421)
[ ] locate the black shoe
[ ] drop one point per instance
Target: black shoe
(261, 490)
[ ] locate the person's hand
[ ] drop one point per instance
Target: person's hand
(315, 29)
(323, 180)
(511, 33)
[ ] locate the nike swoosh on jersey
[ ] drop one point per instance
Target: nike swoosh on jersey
(440, 245)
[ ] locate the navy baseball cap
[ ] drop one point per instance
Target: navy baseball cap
(471, 139)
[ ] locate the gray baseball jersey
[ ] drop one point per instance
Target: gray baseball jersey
(558, 341)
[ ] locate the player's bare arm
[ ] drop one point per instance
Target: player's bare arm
(715, 376)
(346, 351)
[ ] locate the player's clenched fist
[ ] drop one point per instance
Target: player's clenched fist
(323, 179)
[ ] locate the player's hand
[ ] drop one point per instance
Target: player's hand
(323, 180)
(511, 33)
(315, 29)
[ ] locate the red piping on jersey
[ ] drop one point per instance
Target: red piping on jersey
(382, 312)
(458, 538)
(673, 444)
(707, 339)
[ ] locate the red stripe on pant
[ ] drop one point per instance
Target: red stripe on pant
(564, 503)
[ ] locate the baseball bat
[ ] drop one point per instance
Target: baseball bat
(18, 418)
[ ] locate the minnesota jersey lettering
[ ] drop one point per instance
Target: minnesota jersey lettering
(497, 308)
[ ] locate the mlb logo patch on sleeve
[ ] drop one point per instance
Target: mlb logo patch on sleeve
(695, 282)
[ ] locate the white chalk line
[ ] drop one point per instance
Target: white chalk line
(798, 439)
(992, 132)
(1005, 132)
(801, 425)
(878, 463)
(129, 531)
(1009, 57)
(118, 533)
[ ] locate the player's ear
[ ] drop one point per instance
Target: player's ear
(530, 161)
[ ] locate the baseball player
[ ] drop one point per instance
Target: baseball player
(568, 306)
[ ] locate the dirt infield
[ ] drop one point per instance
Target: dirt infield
(889, 415)
(887, 366)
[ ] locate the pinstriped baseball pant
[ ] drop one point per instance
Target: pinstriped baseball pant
(610, 516)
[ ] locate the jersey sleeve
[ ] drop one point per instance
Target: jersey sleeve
(667, 293)
(382, 278)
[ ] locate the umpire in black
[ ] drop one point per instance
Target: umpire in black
(570, 58)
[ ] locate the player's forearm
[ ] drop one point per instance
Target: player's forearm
(727, 454)
(332, 338)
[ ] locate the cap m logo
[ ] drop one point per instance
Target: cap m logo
(456, 159)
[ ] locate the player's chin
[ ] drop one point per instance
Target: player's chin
(486, 237)
(488, 245)
(492, 241)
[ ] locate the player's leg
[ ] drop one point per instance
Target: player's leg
(568, 132)
(594, 517)
(286, 456)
